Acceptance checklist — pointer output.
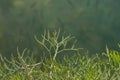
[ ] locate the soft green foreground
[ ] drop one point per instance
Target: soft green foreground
(105, 66)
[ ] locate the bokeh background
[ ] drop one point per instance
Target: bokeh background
(95, 23)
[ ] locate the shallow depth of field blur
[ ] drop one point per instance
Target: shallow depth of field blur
(95, 23)
(35, 35)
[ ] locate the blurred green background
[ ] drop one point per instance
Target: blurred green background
(95, 23)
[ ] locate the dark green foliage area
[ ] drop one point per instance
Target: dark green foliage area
(95, 23)
(25, 66)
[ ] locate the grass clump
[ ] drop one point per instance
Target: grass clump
(52, 67)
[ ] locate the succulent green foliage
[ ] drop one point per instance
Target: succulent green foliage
(56, 44)
(113, 57)
(75, 67)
